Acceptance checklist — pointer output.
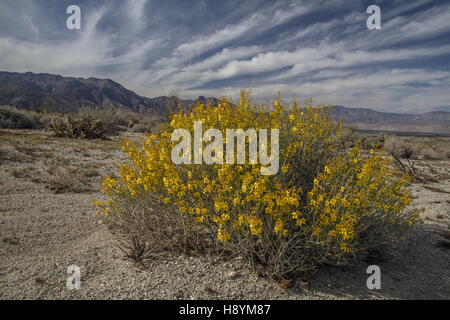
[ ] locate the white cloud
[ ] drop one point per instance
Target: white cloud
(388, 90)
(337, 61)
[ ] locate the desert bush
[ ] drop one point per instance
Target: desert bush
(372, 142)
(418, 148)
(63, 179)
(115, 119)
(11, 118)
(327, 204)
(85, 126)
(148, 124)
(401, 148)
(349, 133)
(142, 127)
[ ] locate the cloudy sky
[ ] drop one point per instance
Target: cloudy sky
(319, 49)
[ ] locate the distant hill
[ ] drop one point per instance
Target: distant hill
(56, 93)
(368, 119)
(66, 94)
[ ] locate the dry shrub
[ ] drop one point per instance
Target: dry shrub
(349, 134)
(372, 142)
(327, 204)
(432, 148)
(166, 230)
(84, 126)
(148, 124)
(115, 119)
(11, 118)
(433, 154)
(62, 179)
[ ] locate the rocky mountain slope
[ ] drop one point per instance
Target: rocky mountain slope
(56, 93)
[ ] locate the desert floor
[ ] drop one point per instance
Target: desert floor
(47, 222)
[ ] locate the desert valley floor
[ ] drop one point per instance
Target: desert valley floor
(47, 222)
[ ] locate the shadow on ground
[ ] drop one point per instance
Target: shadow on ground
(418, 268)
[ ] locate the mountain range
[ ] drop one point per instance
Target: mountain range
(56, 93)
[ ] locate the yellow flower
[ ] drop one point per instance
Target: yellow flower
(223, 236)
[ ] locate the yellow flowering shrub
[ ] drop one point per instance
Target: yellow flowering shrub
(326, 203)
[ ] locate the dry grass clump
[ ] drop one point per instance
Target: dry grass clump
(64, 179)
(58, 178)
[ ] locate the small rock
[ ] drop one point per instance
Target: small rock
(233, 275)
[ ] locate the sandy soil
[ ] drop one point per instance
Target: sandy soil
(47, 224)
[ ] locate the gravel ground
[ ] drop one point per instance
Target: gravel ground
(43, 230)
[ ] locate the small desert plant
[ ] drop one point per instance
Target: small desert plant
(349, 133)
(63, 179)
(398, 147)
(136, 249)
(115, 119)
(327, 204)
(85, 126)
